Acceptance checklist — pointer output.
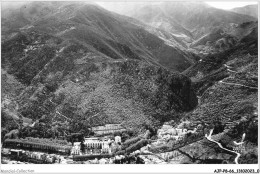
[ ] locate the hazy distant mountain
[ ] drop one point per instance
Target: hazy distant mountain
(126, 7)
(190, 22)
(156, 17)
(196, 17)
(250, 10)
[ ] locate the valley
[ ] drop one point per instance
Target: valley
(85, 85)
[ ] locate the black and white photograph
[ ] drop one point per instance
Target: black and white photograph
(129, 82)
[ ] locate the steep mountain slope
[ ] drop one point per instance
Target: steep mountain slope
(227, 85)
(132, 93)
(85, 66)
(215, 63)
(116, 36)
(250, 10)
(223, 38)
(10, 89)
(10, 85)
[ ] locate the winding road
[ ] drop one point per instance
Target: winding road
(231, 71)
(93, 116)
(237, 84)
(62, 115)
(52, 102)
(220, 145)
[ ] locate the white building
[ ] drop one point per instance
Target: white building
(97, 145)
(76, 149)
(91, 143)
(118, 139)
(105, 147)
(181, 131)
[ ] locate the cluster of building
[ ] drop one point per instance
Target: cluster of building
(36, 146)
(108, 129)
(118, 159)
(35, 156)
(169, 132)
(90, 148)
(49, 158)
(100, 161)
(96, 145)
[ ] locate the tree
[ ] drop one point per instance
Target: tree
(252, 132)
(218, 127)
(51, 86)
(3, 133)
(82, 146)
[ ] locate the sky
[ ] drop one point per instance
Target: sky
(229, 4)
(125, 7)
(217, 4)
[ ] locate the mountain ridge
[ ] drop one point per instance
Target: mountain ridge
(112, 39)
(250, 10)
(186, 23)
